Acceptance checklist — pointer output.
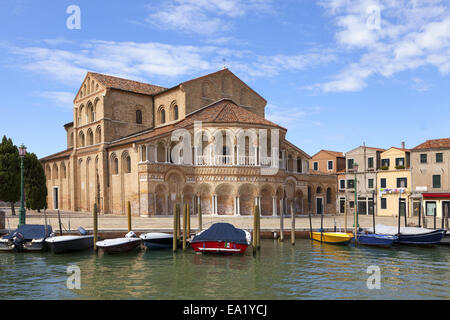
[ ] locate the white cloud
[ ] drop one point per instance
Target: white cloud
(205, 17)
(287, 116)
(153, 61)
(412, 34)
(61, 99)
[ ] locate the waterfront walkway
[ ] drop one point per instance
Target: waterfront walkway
(119, 222)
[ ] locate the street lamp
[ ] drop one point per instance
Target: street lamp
(22, 153)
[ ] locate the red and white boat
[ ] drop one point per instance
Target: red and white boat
(221, 238)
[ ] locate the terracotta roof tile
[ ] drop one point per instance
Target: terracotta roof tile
(126, 85)
(223, 111)
(62, 154)
(334, 153)
(434, 144)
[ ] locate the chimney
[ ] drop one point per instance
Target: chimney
(403, 145)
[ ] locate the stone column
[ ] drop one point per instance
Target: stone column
(238, 205)
(156, 153)
(167, 203)
(281, 206)
(166, 160)
(216, 211)
(274, 206)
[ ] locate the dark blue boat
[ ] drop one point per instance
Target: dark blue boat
(26, 238)
(380, 240)
(433, 237)
(412, 235)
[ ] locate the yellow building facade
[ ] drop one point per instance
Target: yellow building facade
(394, 183)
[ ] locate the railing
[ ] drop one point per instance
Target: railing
(225, 160)
(247, 161)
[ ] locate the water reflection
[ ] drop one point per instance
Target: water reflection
(279, 271)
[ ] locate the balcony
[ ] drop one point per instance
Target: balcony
(230, 160)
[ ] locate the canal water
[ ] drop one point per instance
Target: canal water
(308, 270)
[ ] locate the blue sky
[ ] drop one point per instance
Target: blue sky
(335, 73)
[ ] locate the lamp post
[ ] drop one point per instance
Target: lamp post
(22, 153)
(355, 167)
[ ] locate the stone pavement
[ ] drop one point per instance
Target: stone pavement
(119, 222)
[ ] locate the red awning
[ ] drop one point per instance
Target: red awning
(436, 195)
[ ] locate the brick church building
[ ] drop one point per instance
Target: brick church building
(122, 146)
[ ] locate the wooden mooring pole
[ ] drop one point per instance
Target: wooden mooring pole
(199, 208)
(95, 226)
(446, 208)
(310, 227)
(129, 215)
(188, 222)
(292, 225)
(281, 221)
(175, 227)
(59, 220)
(178, 231)
(258, 231)
(184, 226)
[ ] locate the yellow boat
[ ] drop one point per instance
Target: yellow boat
(332, 237)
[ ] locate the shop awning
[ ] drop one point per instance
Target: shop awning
(436, 195)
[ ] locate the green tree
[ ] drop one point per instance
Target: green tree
(9, 173)
(35, 183)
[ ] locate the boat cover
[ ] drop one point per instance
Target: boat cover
(391, 230)
(30, 232)
(224, 232)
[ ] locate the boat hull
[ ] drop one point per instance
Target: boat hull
(119, 248)
(376, 240)
(219, 247)
(431, 238)
(332, 237)
(155, 241)
(445, 240)
(71, 245)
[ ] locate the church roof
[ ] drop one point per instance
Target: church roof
(222, 111)
(62, 154)
(126, 85)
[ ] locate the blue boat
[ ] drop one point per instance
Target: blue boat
(380, 240)
(413, 236)
(430, 238)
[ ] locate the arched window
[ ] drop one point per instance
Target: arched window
(127, 164)
(90, 137)
(143, 153)
(162, 116)
(63, 171)
(80, 115)
(71, 140)
(175, 112)
(81, 142)
(329, 195)
(115, 165)
(98, 135)
(55, 171)
(138, 116)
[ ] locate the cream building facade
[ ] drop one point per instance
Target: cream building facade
(121, 147)
(395, 183)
